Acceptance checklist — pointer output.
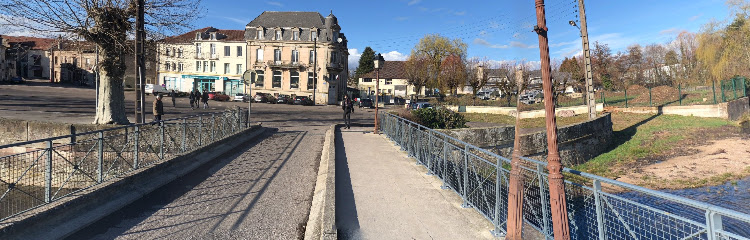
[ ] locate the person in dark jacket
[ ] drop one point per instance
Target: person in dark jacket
(158, 109)
(173, 95)
(348, 106)
(192, 100)
(204, 99)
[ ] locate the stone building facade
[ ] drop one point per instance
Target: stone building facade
(206, 59)
(28, 57)
(393, 82)
(286, 49)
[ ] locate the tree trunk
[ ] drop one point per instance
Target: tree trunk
(111, 108)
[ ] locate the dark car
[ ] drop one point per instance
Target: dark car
(285, 99)
(305, 101)
(16, 80)
(365, 102)
(260, 98)
(420, 105)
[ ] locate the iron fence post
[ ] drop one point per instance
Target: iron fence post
(48, 174)
(161, 141)
(135, 146)
(543, 198)
(443, 166)
(713, 225)
(498, 196)
(184, 134)
(466, 177)
(713, 86)
(200, 130)
(734, 88)
(100, 157)
(429, 153)
(599, 212)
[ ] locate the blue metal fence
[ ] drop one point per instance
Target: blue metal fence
(598, 207)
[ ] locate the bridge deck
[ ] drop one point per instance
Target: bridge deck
(390, 197)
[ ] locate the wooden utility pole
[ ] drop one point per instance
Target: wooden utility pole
(558, 206)
(590, 98)
(140, 66)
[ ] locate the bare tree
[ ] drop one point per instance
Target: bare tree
(453, 73)
(108, 24)
(417, 72)
(508, 85)
(477, 75)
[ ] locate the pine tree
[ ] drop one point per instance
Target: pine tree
(365, 63)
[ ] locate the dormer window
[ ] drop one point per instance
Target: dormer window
(213, 36)
(295, 35)
(314, 35)
(259, 34)
(198, 36)
(278, 34)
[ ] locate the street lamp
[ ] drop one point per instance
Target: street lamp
(378, 61)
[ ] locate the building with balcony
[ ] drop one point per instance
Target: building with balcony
(206, 59)
(287, 49)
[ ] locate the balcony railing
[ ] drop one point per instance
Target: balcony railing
(285, 64)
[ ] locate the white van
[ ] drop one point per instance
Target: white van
(155, 89)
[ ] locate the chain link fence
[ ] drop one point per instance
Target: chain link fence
(598, 208)
(45, 170)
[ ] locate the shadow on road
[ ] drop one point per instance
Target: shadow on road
(347, 220)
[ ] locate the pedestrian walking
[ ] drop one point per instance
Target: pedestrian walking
(158, 109)
(173, 94)
(192, 100)
(204, 99)
(348, 106)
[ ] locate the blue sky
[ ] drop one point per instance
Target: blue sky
(499, 30)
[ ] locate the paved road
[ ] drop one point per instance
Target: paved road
(382, 194)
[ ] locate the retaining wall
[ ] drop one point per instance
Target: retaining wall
(511, 111)
(731, 110)
(576, 143)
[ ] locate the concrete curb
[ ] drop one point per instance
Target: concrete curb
(321, 223)
(62, 218)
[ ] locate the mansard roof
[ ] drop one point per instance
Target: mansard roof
(271, 19)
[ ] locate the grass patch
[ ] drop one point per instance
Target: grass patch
(638, 136)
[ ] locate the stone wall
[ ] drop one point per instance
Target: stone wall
(731, 110)
(737, 108)
(511, 111)
(13, 131)
(576, 143)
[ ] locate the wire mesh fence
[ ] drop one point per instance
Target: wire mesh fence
(42, 171)
(598, 208)
(677, 95)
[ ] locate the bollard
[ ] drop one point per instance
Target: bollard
(48, 174)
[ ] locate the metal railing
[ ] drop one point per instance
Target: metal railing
(46, 170)
(598, 207)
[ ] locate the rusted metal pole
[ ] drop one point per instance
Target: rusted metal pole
(559, 209)
(515, 186)
(377, 95)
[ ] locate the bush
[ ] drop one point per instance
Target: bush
(440, 118)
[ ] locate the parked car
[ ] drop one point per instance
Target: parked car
(260, 98)
(271, 98)
(240, 97)
(15, 80)
(365, 102)
(218, 96)
(285, 99)
(305, 101)
(420, 105)
(154, 89)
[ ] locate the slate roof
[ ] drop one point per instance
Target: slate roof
(391, 69)
(270, 19)
(35, 42)
(222, 35)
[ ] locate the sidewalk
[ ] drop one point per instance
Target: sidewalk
(382, 194)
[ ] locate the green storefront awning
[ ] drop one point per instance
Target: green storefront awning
(205, 77)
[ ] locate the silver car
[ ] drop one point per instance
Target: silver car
(239, 97)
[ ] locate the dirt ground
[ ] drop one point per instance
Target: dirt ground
(708, 163)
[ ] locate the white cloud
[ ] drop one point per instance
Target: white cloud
(671, 31)
(483, 42)
(522, 45)
(278, 4)
(237, 20)
(693, 18)
(564, 43)
(394, 56)
(412, 2)
(354, 56)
